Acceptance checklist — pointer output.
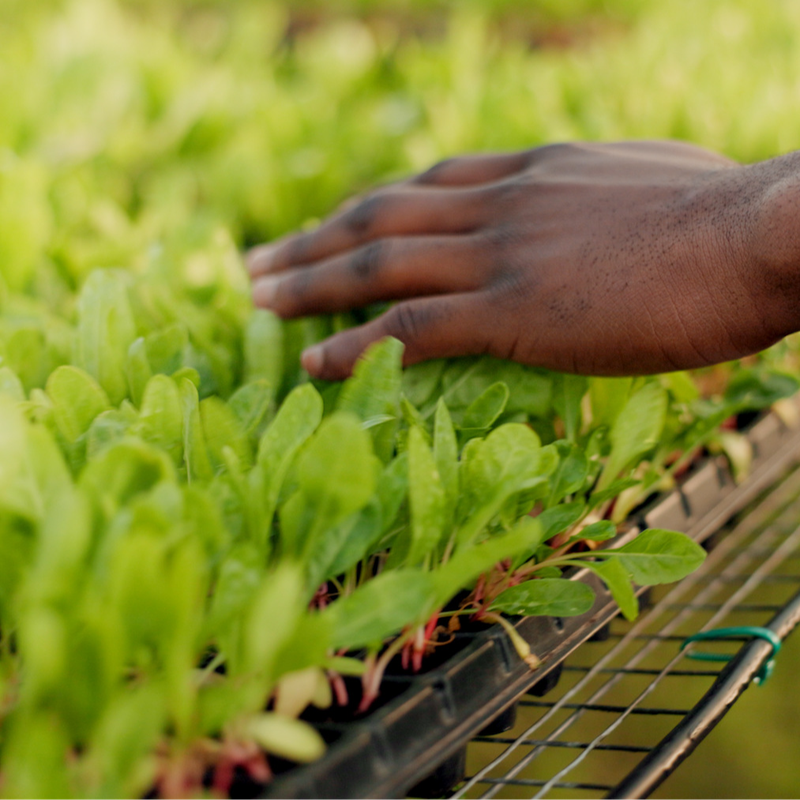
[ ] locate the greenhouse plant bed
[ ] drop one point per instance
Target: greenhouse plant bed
(422, 722)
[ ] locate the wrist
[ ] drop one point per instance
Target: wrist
(772, 239)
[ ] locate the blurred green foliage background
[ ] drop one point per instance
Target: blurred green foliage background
(136, 127)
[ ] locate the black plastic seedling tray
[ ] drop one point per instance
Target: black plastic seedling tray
(414, 739)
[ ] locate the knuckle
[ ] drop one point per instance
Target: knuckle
(432, 173)
(554, 150)
(405, 322)
(361, 218)
(298, 248)
(368, 260)
(293, 293)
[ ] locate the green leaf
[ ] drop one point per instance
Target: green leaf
(285, 737)
(161, 417)
(251, 403)
(297, 418)
(336, 476)
(557, 519)
(392, 490)
(263, 348)
(380, 608)
(445, 453)
(411, 417)
(165, 349)
(570, 474)
(221, 429)
(373, 393)
(636, 431)
(484, 410)
(615, 489)
(109, 428)
(105, 331)
(125, 470)
(597, 531)
(568, 392)
(421, 380)
(463, 569)
(238, 579)
(508, 461)
(546, 597)
(608, 397)
(77, 400)
(426, 498)
(681, 386)
(659, 556)
(11, 385)
(759, 387)
(464, 379)
(345, 545)
(274, 611)
(618, 582)
(137, 370)
(195, 450)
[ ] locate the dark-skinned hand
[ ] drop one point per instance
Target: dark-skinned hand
(602, 259)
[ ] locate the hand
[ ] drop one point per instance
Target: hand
(604, 259)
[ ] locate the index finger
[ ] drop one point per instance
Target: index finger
(396, 212)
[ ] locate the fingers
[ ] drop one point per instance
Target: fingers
(385, 269)
(471, 170)
(396, 212)
(430, 327)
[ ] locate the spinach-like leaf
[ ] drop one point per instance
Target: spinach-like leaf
(251, 403)
(344, 545)
(263, 348)
(570, 474)
(297, 418)
(568, 392)
(77, 400)
(373, 393)
(420, 381)
(759, 387)
(380, 608)
(546, 597)
(461, 571)
(636, 430)
(161, 416)
(195, 451)
(336, 477)
(616, 578)
(137, 370)
(608, 397)
(598, 531)
(285, 737)
(659, 556)
(105, 330)
(445, 453)
(508, 461)
(482, 412)
(557, 519)
(426, 498)
(221, 429)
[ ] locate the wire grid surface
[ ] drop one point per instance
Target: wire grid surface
(618, 698)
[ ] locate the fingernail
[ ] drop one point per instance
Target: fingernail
(264, 290)
(312, 359)
(260, 259)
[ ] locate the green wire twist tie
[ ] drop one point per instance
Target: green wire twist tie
(749, 631)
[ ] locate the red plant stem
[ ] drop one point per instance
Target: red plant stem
(375, 669)
(479, 587)
(419, 649)
(339, 687)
